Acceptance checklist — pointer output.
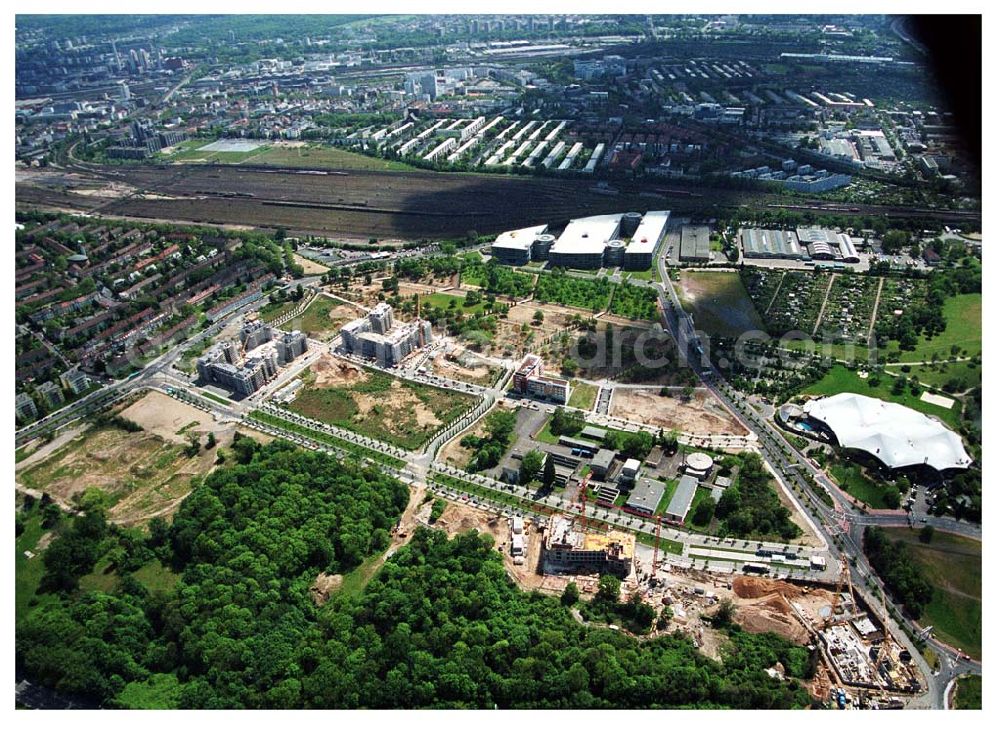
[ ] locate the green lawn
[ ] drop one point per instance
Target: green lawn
(969, 693)
(857, 353)
(967, 374)
(322, 156)
(718, 303)
(154, 576)
(445, 301)
(852, 480)
(954, 565)
(28, 572)
(964, 316)
(840, 379)
(583, 395)
(638, 274)
(316, 320)
(216, 398)
(355, 581)
(274, 311)
(191, 150)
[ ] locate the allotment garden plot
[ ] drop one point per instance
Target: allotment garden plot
(376, 404)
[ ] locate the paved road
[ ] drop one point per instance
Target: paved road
(791, 466)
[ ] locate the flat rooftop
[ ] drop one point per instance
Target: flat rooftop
(694, 242)
(646, 495)
(649, 232)
(771, 242)
(519, 239)
(680, 503)
(588, 235)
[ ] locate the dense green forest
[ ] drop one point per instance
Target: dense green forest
(441, 625)
(902, 576)
(751, 508)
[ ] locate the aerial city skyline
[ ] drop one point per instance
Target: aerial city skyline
(497, 361)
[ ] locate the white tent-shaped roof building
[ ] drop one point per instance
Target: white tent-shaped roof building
(894, 434)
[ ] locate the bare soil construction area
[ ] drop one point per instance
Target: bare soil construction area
(144, 473)
(764, 605)
(460, 518)
(309, 267)
(465, 366)
(701, 414)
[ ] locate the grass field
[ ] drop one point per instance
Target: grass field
(954, 565)
(321, 156)
(400, 412)
(323, 317)
(638, 274)
(968, 374)
(840, 379)
(964, 315)
(583, 395)
(154, 576)
(853, 481)
(718, 303)
(190, 150)
(274, 311)
(969, 693)
(27, 571)
(446, 301)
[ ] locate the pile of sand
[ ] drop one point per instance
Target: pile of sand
(751, 587)
(333, 372)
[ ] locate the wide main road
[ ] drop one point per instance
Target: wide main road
(792, 466)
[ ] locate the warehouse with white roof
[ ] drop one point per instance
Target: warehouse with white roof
(514, 247)
(582, 243)
(639, 251)
(899, 437)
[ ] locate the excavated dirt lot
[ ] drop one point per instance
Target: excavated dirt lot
(309, 267)
(145, 473)
(701, 414)
(333, 372)
(452, 368)
(163, 416)
(460, 518)
(764, 605)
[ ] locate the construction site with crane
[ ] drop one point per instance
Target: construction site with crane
(859, 663)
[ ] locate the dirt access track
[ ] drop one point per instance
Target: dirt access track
(702, 414)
